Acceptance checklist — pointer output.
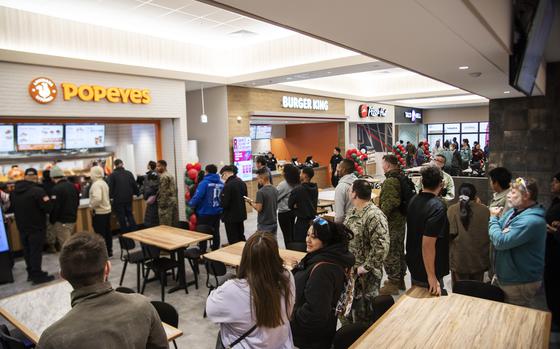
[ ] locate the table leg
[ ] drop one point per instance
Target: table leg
(182, 281)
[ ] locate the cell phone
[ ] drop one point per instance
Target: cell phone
(247, 198)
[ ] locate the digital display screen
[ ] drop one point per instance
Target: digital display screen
(263, 132)
(4, 246)
(242, 157)
(6, 138)
(84, 136)
(39, 137)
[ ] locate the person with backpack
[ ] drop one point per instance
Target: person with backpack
(393, 195)
(370, 247)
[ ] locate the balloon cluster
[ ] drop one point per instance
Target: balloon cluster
(426, 148)
(400, 152)
(191, 175)
(359, 159)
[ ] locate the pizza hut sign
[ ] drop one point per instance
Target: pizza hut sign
(365, 111)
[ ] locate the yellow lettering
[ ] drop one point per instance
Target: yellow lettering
(146, 98)
(86, 97)
(125, 93)
(113, 95)
(136, 96)
(99, 92)
(69, 90)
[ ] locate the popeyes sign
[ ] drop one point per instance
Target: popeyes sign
(43, 90)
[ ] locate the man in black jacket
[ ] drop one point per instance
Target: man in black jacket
(336, 158)
(233, 204)
(30, 204)
(65, 200)
(122, 188)
(303, 201)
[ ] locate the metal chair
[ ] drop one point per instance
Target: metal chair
(193, 254)
(479, 290)
(9, 342)
(168, 314)
(130, 256)
(215, 269)
(348, 334)
(160, 266)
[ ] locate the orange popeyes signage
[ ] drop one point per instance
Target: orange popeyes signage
(39, 88)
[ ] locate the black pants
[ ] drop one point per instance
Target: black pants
(235, 232)
(300, 229)
(287, 221)
(214, 222)
(125, 217)
(102, 226)
(334, 180)
(551, 279)
(33, 241)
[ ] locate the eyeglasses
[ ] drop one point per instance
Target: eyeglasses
(520, 182)
(320, 221)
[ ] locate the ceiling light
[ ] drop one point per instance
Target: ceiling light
(507, 92)
(464, 67)
(475, 74)
(288, 78)
(203, 116)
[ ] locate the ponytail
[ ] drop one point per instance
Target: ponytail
(467, 193)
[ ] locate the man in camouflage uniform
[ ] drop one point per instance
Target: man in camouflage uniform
(390, 202)
(370, 246)
(167, 196)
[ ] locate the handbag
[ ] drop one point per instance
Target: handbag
(220, 344)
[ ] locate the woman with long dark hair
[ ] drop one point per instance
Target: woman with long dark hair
(468, 230)
(320, 278)
(286, 216)
(254, 309)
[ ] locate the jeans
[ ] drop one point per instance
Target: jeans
(125, 217)
(214, 222)
(287, 221)
(519, 294)
(235, 232)
(102, 226)
(32, 241)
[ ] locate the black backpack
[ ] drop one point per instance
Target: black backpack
(408, 190)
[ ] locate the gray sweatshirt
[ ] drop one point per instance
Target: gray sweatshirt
(342, 202)
(284, 190)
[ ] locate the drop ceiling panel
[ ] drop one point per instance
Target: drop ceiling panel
(172, 4)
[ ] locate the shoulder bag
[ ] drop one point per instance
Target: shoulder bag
(220, 344)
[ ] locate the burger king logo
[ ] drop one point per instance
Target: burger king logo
(42, 90)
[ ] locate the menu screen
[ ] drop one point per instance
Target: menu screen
(242, 157)
(6, 138)
(263, 132)
(85, 136)
(39, 137)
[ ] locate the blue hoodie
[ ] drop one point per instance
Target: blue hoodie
(519, 250)
(206, 200)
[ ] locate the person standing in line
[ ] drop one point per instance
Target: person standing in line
(456, 143)
(342, 201)
(552, 252)
(271, 161)
(66, 201)
(370, 246)
(390, 201)
(48, 184)
(455, 160)
(437, 149)
(167, 196)
(286, 216)
(100, 204)
(150, 190)
(206, 203)
(336, 158)
(427, 242)
(261, 163)
(31, 204)
(303, 201)
(122, 188)
(266, 204)
(233, 203)
(519, 239)
(420, 155)
(466, 154)
(468, 231)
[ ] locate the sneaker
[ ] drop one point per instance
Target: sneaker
(42, 279)
(390, 288)
(43, 273)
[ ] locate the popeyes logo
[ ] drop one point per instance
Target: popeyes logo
(43, 91)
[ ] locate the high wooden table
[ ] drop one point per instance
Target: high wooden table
(33, 311)
(419, 320)
(170, 239)
(231, 255)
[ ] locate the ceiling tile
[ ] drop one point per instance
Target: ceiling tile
(150, 11)
(223, 16)
(172, 4)
(177, 17)
(199, 9)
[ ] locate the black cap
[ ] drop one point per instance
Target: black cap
(31, 172)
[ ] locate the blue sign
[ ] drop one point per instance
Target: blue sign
(4, 246)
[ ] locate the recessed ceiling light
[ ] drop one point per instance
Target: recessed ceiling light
(464, 67)
(288, 78)
(328, 72)
(507, 92)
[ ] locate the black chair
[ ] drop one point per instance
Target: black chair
(9, 342)
(380, 306)
(130, 256)
(160, 266)
(215, 269)
(297, 246)
(348, 334)
(479, 290)
(193, 254)
(123, 289)
(168, 314)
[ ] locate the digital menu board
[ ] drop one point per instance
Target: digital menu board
(84, 136)
(6, 138)
(263, 132)
(242, 157)
(39, 137)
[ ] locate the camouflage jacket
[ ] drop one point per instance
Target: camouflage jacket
(167, 195)
(370, 244)
(390, 200)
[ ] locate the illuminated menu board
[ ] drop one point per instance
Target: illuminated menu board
(6, 138)
(39, 137)
(84, 136)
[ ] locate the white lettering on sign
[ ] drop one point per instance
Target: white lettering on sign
(304, 103)
(412, 115)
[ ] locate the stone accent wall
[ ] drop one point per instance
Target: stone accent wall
(525, 134)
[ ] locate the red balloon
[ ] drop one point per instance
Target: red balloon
(192, 173)
(356, 165)
(187, 195)
(189, 166)
(198, 166)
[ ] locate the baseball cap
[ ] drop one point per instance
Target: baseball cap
(31, 172)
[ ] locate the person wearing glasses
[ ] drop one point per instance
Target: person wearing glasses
(320, 279)
(448, 190)
(519, 238)
(370, 246)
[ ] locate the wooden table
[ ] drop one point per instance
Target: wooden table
(231, 255)
(329, 216)
(170, 239)
(33, 311)
(326, 195)
(419, 320)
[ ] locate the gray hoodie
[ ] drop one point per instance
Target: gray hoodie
(99, 192)
(342, 201)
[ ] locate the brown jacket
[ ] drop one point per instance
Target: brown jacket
(468, 250)
(103, 318)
